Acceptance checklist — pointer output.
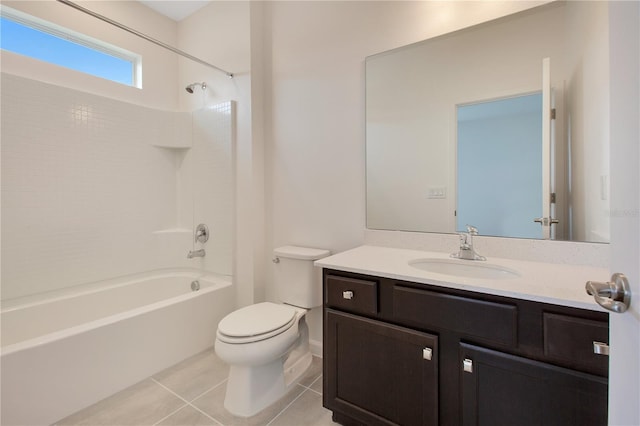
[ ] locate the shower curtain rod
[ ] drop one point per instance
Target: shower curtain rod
(142, 35)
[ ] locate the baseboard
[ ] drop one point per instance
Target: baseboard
(316, 348)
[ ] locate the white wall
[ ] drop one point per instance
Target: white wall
(315, 171)
(587, 43)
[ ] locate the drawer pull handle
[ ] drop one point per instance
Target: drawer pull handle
(467, 365)
(347, 294)
(427, 353)
(600, 348)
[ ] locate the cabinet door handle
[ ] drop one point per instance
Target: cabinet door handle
(427, 353)
(467, 365)
(347, 294)
(600, 348)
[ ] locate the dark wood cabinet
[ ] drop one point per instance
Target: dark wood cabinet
(386, 374)
(501, 389)
(403, 353)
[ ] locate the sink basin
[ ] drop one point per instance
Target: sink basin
(464, 268)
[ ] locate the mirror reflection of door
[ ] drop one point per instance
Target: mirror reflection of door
(499, 166)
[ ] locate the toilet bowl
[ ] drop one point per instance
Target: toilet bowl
(263, 366)
(266, 345)
(274, 332)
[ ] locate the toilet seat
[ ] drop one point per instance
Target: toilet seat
(256, 322)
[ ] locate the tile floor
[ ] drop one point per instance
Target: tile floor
(192, 393)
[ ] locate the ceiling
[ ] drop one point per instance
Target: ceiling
(175, 9)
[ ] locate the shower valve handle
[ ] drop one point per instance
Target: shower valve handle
(202, 233)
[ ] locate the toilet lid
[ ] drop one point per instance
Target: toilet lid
(255, 320)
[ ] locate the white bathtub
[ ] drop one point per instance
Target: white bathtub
(63, 354)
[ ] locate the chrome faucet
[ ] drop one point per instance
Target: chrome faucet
(195, 253)
(467, 251)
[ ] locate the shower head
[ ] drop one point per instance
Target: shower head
(190, 87)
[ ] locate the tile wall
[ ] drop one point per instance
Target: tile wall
(94, 188)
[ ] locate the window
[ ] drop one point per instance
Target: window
(42, 40)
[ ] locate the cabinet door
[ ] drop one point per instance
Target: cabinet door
(379, 374)
(501, 389)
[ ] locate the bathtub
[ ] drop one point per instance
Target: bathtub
(70, 351)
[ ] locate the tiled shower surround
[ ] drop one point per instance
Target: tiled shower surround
(94, 188)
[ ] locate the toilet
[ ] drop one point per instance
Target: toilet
(266, 345)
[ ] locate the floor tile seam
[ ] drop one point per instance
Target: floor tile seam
(186, 403)
(305, 387)
(315, 391)
(169, 390)
(314, 382)
(311, 384)
(208, 390)
(195, 397)
(171, 414)
(208, 415)
(287, 406)
(315, 379)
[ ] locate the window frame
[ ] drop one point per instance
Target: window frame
(84, 40)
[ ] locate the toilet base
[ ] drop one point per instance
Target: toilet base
(252, 389)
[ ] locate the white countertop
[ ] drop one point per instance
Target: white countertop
(558, 284)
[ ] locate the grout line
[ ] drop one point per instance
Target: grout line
(173, 393)
(215, 420)
(208, 390)
(170, 414)
(288, 405)
(315, 391)
(166, 388)
(187, 403)
(313, 383)
(194, 398)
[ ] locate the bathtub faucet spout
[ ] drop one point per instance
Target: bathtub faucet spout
(195, 253)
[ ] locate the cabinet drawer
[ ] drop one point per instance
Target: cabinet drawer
(490, 321)
(571, 340)
(351, 294)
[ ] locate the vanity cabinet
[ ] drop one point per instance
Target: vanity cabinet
(375, 364)
(502, 389)
(404, 353)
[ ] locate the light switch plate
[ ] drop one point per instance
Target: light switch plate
(439, 192)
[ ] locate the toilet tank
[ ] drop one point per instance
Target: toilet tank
(297, 281)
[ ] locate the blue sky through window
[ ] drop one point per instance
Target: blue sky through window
(24, 40)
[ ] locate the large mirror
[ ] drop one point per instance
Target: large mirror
(503, 125)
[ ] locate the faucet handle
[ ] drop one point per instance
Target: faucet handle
(464, 240)
(472, 230)
(201, 234)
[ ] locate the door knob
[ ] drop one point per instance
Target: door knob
(614, 295)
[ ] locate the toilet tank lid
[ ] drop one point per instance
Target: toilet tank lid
(304, 253)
